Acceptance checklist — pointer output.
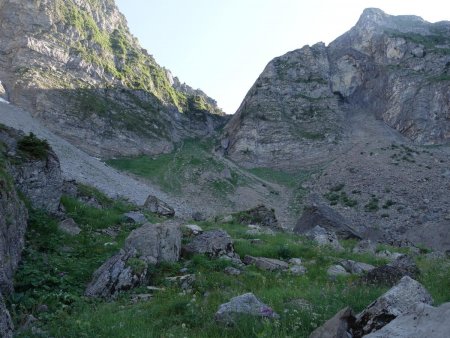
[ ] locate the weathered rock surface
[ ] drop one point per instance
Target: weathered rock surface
(422, 320)
(246, 304)
(295, 113)
(318, 213)
(155, 205)
(324, 237)
(155, 243)
(115, 275)
(263, 263)
(335, 271)
(336, 327)
(91, 88)
(69, 227)
(214, 243)
(395, 302)
(393, 272)
(38, 178)
(6, 325)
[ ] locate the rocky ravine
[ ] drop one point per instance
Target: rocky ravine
(395, 68)
(76, 67)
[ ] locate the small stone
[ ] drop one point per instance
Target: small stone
(185, 282)
(143, 297)
(336, 271)
(135, 217)
(69, 227)
(297, 270)
(193, 229)
(232, 271)
(295, 261)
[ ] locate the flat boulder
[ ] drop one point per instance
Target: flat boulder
(246, 304)
(317, 213)
(399, 300)
(155, 205)
(263, 263)
(214, 243)
(121, 272)
(422, 321)
(355, 267)
(156, 243)
(336, 327)
(324, 237)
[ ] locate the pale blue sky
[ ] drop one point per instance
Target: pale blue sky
(221, 46)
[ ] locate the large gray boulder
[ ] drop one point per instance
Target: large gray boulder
(156, 243)
(155, 205)
(397, 301)
(421, 321)
(121, 272)
(246, 304)
(318, 213)
(391, 273)
(324, 237)
(6, 325)
(263, 263)
(336, 327)
(214, 243)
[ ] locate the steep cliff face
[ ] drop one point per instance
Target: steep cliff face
(76, 66)
(396, 68)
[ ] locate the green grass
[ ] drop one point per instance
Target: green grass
(32, 146)
(56, 268)
(185, 165)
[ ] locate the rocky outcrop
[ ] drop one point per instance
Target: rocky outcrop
(156, 243)
(336, 327)
(394, 68)
(121, 272)
(6, 325)
(246, 304)
(155, 205)
(422, 320)
(214, 243)
(75, 65)
(324, 237)
(35, 169)
(397, 301)
(318, 213)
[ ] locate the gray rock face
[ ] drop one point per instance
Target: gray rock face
(69, 227)
(336, 327)
(393, 272)
(422, 320)
(318, 213)
(214, 243)
(38, 61)
(118, 273)
(6, 325)
(392, 67)
(246, 304)
(155, 205)
(39, 179)
(324, 237)
(395, 302)
(263, 263)
(156, 243)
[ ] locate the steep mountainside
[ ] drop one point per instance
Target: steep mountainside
(77, 68)
(396, 68)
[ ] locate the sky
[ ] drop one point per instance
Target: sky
(221, 46)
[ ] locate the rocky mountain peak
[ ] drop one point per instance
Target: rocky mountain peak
(76, 66)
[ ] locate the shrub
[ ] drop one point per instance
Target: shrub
(34, 147)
